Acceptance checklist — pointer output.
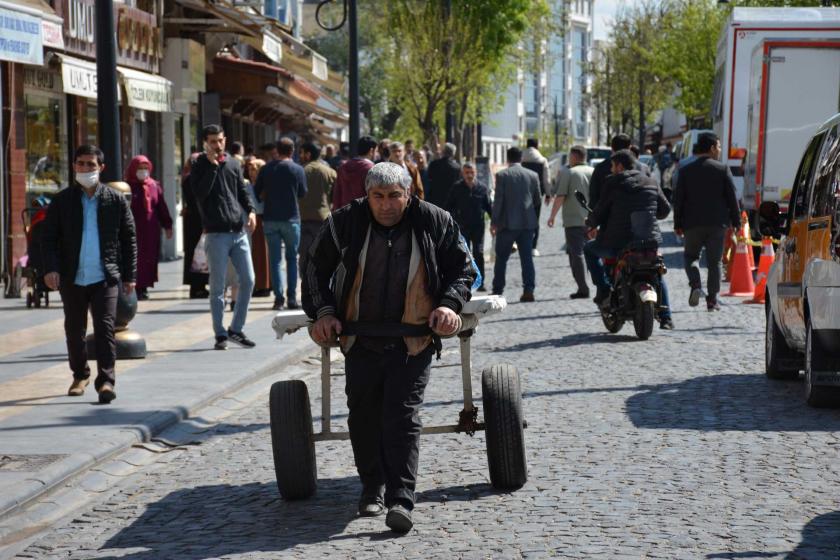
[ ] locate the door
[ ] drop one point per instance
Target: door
(794, 249)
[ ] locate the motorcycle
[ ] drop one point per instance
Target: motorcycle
(636, 284)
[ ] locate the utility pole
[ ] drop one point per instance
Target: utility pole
(107, 107)
(642, 116)
(556, 127)
(450, 105)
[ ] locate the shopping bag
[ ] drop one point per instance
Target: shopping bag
(199, 261)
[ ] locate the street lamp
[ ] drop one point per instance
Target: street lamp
(353, 66)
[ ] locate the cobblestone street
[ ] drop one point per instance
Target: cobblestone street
(676, 447)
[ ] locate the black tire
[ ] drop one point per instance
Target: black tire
(643, 319)
(780, 362)
(612, 321)
(292, 441)
(505, 428)
(817, 359)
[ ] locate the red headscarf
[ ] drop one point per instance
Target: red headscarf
(148, 185)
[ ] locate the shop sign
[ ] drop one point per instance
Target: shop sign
(53, 36)
(41, 78)
(78, 77)
(20, 38)
(137, 33)
(272, 48)
(319, 67)
(146, 91)
(80, 20)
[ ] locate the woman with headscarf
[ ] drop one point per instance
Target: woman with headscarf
(150, 214)
(197, 281)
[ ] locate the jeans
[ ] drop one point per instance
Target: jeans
(384, 394)
(711, 238)
(524, 239)
(220, 247)
(278, 234)
(595, 255)
(101, 299)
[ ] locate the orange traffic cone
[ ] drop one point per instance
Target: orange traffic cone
(764, 263)
(745, 234)
(742, 281)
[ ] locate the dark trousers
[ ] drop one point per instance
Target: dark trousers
(475, 241)
(575, 240)
(308, 232)
(101, 299)
(712, 238)
(537, 230)
(524, 239)
(384, 394)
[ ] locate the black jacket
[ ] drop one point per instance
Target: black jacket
(334, 257)
(223, 201)
(625, 194)
(538, 167)
(596, 183)
(468, 206)
(443, 173)
(62, 236)
(705, 196)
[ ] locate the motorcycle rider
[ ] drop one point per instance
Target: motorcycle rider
(626, 191)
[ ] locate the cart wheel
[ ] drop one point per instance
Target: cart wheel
(504, 423)
(28, 301)
(292, 440)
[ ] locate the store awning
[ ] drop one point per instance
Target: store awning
(146, 91)
(78, 77)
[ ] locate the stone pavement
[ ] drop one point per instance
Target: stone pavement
(46, 436)
(676, 447)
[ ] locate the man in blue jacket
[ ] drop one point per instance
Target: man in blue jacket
(279, 185)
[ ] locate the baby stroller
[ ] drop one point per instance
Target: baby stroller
(32, 267)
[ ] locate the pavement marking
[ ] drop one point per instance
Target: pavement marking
(21, 394)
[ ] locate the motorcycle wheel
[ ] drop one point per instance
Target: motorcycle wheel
(643, 319)
(612, 321)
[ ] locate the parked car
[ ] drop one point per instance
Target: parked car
(803, 285)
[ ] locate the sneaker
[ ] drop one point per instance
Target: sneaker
(292, 305)
(579, 295)
(694, 297)
(371, 505)
(535, 252)
(527, 297)
(601, 295)
(221, 343)
(399, 519)
(106, 393)
(712, 305)
(278, 304)
(241, 339)
(666, 324)
(77, 388)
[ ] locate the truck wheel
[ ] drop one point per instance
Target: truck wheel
(643, 319)
(817, 359)
(612, 321)
(780, 362)
(291, 439)
(504, 425)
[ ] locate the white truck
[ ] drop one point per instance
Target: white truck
(794, 88)
(741, 34)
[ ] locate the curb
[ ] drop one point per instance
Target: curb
(295, 348)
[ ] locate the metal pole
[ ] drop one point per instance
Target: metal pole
(450, 105)
(325, 390)
(4, 275)
(466, 372)
(354, 76)
(107, 107)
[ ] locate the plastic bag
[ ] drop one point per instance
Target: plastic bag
(199, 260)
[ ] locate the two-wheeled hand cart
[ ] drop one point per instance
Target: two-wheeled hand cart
(293, 440)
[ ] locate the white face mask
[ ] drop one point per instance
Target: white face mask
(142, 174)
(88, 180)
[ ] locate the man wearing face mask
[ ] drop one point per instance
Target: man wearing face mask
(89, 247)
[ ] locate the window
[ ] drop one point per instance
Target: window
(802, 183)
(46, 145)
(826, 175)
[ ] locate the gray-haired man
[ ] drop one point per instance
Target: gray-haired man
(387, 274)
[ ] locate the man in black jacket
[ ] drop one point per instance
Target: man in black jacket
(90, 246)
(704, 206)
(228, 216)
(626, 192)
(604, 169)
(469, 202)
(443, 173)
(389, 274)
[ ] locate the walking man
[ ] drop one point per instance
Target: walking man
(350, 181)
(279, 186)
(575, 178)
(396, 153)
(532, 159)
(704, 206)
(388, 274)
(443, 173)
(227, 211)
(315, 205)
(89, 247)
(604, 169)
(514, 220)
(469, 202)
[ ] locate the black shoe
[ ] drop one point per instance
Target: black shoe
(579, 295)
(399, 519)
(495, 293)
(278, 304)
(221, 343)
(666, 324)
(106, 393)
(371, 506)
(481, 288)
(694, 297)
(601, 295)
(292, 305)
(261, 293)
(232, 304)
(527, 297)
(199, 294)
(712, 305)
(142, 295)
(241, 339)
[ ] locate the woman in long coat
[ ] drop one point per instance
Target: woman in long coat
(150, 214)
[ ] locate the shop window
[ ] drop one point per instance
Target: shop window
(46, 146)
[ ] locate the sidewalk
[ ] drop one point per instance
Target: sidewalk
(46, 437)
